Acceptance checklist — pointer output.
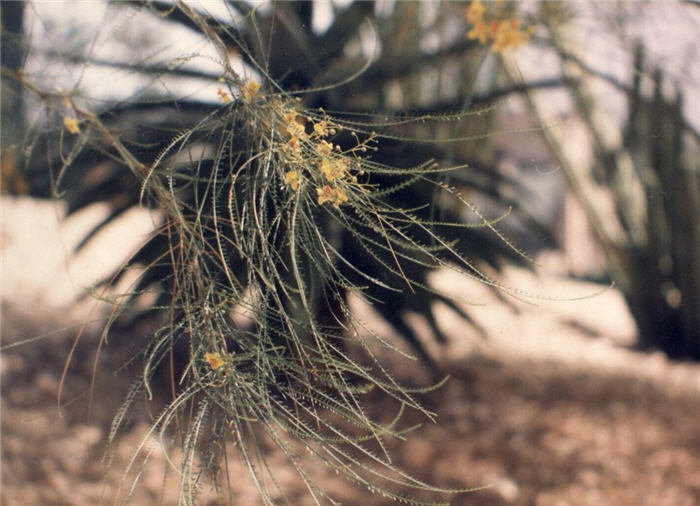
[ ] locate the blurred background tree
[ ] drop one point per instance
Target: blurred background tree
(638, 181)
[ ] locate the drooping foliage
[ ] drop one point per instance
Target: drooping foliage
(274, 202)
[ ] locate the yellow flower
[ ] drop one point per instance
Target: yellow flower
(325, 194)
(320, 128)
(480, 31)
(336, 196)
(333, 169)
(294, 127)
(249, 90)
(214, 360)
(508, 35)
(475, 12)
(71, 125)
(505, 33)
(340, 197)
(292, 147)
(290, 116)
(292, 179)
(324, 148)
(223, 96)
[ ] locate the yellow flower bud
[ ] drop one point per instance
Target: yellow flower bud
(71, 124)
(214, 360)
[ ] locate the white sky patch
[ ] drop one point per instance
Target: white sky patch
(322, 16)
(114, 36)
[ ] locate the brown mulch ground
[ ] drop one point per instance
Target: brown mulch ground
(540, 432)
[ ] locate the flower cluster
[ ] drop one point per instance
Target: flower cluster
(504, 33)
(214, 360)
(331, 194)
(302, 141)
(308, 155)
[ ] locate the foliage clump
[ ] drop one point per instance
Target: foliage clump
(252, 230)
(269, 214)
